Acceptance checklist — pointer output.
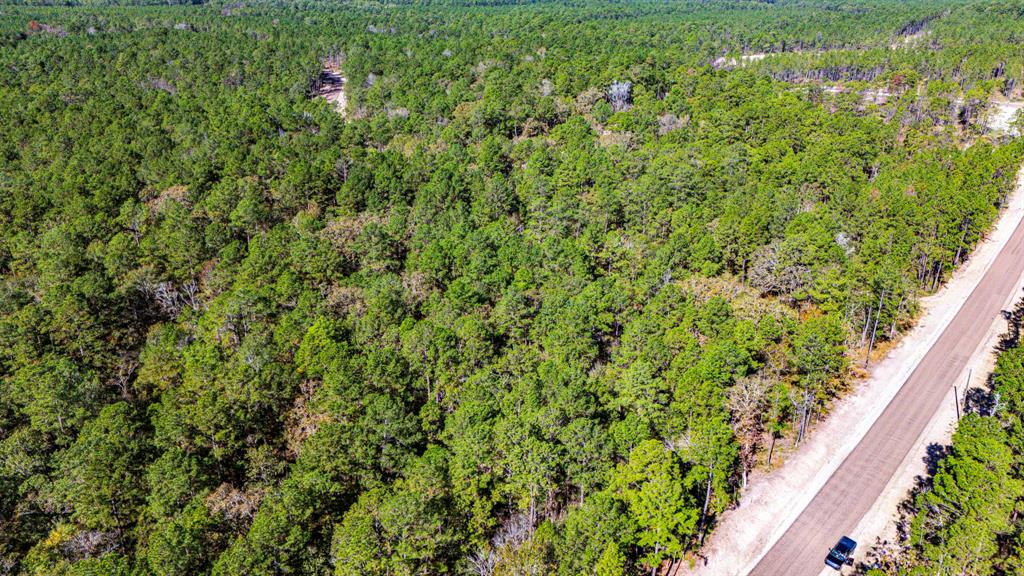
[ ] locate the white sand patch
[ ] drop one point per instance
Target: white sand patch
(743, 60)
(911, 40)
(339, 100)
(1001, 115)
(998, 117)
(773, 500)
(870, 95)
(332, 88)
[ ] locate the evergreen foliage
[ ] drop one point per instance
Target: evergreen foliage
(501, 317)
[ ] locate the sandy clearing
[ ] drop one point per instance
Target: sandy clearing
(998, 117)
(911, 40)
(744, 59)
(775, 499)
(333, 88)
(340, 101)
(1001, 115)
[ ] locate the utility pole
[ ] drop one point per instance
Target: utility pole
(956, 400)
(956, 393)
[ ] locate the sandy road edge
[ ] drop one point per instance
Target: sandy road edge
(774, 500)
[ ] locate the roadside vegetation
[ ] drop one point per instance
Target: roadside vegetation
(538, 303)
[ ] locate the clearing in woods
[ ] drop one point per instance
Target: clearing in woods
(330, 86)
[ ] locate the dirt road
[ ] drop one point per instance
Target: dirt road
(849, 493)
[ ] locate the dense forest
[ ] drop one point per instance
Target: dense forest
(560, 277)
